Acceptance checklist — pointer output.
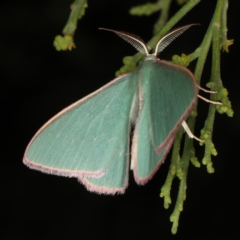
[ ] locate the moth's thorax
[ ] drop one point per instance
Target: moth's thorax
(151, 57)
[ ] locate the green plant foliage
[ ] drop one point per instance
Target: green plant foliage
(66, 41)
(182, 60)
(63, 43)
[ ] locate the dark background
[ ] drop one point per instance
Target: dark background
(37, 82)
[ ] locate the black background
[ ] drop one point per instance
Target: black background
(37, 82)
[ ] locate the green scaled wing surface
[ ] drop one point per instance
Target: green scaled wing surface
(89, 139)
(167, 94)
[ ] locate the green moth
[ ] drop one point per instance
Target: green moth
(90, 139)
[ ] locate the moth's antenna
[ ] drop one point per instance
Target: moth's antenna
(134, 40)
(167, 39)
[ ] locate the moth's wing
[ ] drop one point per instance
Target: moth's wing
(87, 137)
(168, 94)
(115, 177)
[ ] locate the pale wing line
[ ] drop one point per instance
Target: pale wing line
(57, 171)
(77, 154)
(99, 128)
(65, 137)
(99, 125)
(73, 160)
